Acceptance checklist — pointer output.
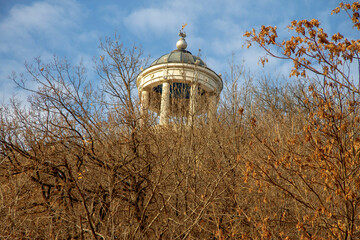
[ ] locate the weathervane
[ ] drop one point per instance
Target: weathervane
(182, 33)
(181, 43)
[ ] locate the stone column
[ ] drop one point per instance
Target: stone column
(213, 102)
(165, 104)
(144, 106)
(192, 106)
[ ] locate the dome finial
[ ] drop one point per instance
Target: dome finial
(181, 43)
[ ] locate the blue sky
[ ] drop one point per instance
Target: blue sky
(73, 28)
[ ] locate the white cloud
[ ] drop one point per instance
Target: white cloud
(167, 16)
(48, 20)
(112, 14)
(38, 29)
(152, 20)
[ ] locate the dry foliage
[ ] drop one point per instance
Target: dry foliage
(281, 162)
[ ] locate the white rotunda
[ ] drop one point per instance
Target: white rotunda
(179, 85)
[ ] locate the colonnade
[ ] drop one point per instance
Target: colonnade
(165, 104)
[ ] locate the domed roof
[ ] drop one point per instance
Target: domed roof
(179, 56)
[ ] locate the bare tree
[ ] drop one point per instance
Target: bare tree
(118, 68)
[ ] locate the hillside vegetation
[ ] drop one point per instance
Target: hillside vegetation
(282, 161)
